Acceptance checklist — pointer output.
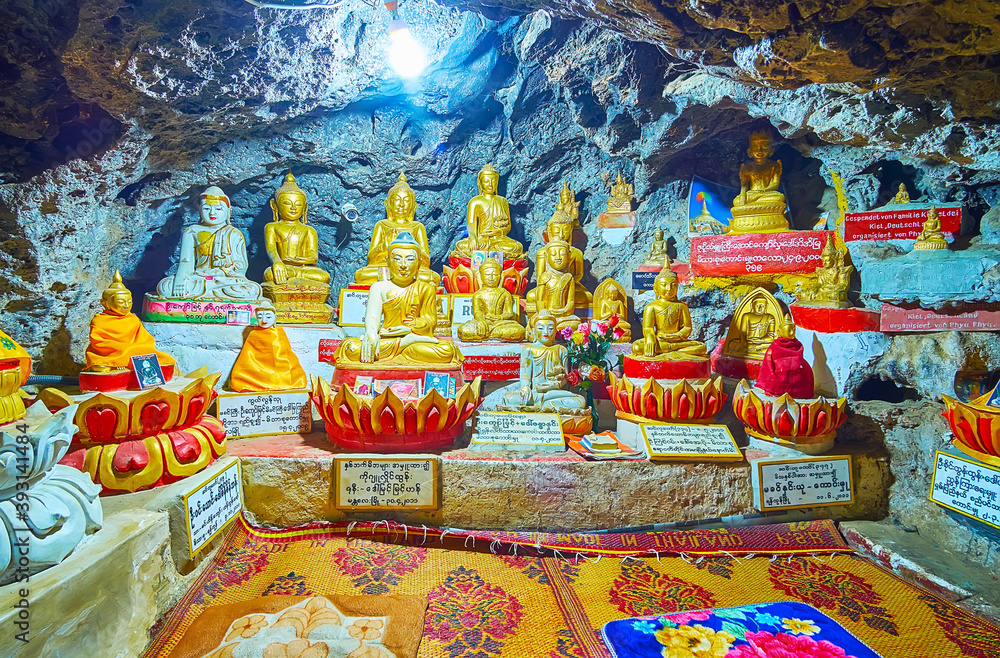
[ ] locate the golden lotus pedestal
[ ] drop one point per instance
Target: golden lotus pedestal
(299, 303)
(809, 426)
(758, 219)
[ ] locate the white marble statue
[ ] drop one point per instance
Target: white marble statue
(60, 505)
(544, 364)
(213, 262)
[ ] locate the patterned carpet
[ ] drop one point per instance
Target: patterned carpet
(493, 598)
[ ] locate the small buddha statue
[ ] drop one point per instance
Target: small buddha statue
(213, 262)
(621, 196)
(488, 220)
(544, 364)
(832, 280)
(931, 238)
(610, 299)
(266, 362)
(784, 368)
(400, 319)
(116, 334)
(556, 289)
(756, 328)
(666, 324)
(494, 309)
(560, 227)
(400, 216)
(657, 250)
(759, 207)
(569, 205)
(902, 196)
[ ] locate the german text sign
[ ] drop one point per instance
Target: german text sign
(353, 306)
(806, 482)
(895, 319)
(212, 505)
(757, 253)
(264, 414)
(518, 429)
(902, 224)
(386, 483)
(690, 442)
(967, 487)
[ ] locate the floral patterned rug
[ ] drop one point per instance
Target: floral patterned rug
(500, 600)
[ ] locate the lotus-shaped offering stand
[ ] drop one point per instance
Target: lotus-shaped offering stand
(44, 506)
(976, 427)
(673, 401)
(808, 425)
(134, 440)
(387, 424)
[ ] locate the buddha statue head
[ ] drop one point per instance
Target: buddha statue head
(116, 298)
(404, 259)
(761, 145)
(665, 284)
(557, 254)
(489, 273)
(560, 226)
(786, 329)
(266, 315)
(658, 235)
(289, 203)
(488, 179)
(543, 327)
(215, 207)
(401, 202)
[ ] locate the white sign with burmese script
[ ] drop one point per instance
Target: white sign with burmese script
(968, 487)
(386, 483)
(212, 505)
(690, 442)
(518, 429)
(803, 482)
(265, 414)
(353, 306)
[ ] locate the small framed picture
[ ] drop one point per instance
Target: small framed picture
(405, 389)
(442, 382)
(238, 317)
(148, 371)
(363, 386)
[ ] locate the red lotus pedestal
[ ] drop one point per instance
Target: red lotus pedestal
(117, 380)
(642, 368)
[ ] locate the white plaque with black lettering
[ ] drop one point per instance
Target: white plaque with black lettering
(806, 482)
(386, 483)
(353, 306)
(213, 504)
(690, 442)
(513, 429)
(461, 309)
(967, 486)
(265, 414)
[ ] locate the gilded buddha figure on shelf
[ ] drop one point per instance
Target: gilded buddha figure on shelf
(931, 237)
(666, 324)
(569, 205)
(556, 289)
(657, 250)
(610, 299)
(560, 229)
(832, 280)
(759, 207)
(488, 220)
(754, 325)
(494, 309)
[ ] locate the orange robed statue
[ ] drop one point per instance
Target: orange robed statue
(116, 334)
(266, 362)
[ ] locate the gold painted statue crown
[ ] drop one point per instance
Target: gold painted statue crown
(787, 327)
(830, 250)
(116, 287)
(289, 187)
(666, 272)
(400, 185)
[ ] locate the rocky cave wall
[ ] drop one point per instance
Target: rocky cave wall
(115, 114)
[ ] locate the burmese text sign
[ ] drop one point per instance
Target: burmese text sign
(212, 505)
(263, 414)
(386, 483)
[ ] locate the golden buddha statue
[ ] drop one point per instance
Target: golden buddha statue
(400, 319)
(400, 214)
(754, 325)
(266, 362)
(488, 220)
(931, 238)
(666, 324)
(610, 299)
(759, 207)
(832, 279)
(657, 250)
(569, 205)
(621, 196)
(494, 309)
(116, 334)
(560, 227)
(556, 289)
(15, 372)
(544, 365)
(902, 196)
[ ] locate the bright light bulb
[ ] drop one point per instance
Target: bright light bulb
(405, 54)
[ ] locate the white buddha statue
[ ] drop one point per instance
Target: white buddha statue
(213, 263)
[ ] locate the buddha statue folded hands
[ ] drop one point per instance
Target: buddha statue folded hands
(556, 289)
(759, 207)
(931, 237)
(666, 325)
(400, 319)
(400, 216)
(488, 221)
(657, 250)
(494, 309)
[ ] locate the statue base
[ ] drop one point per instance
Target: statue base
(643, 367)
(758, 219)
(117, 380)
(159, 309)
(807, 425)
(834, 320)
(616, 226)
(734, 367)
(673, 401)
(300, 304)
(460, 277)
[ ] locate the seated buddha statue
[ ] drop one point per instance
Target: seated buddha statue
(116, 334)
(902, 196)
(560, 227)
(556, 289)
(783, 368)
(759, 207)
(569, 205)
(610, 299)
(544, 365)
(657, 250)
(757, 329)
(494, 309)
(266, 362)
(400, 319)
(620, 200)
(666, 324)
(832, 280)
(931, 238)
(488, 220)
(213, 261)
(400, 217)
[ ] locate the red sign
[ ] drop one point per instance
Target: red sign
(895, 319)
(757, 253)
(492, 368)
(327, 347)
(904, 224)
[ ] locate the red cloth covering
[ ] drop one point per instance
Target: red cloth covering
(784, 370)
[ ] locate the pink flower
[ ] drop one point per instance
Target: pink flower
(584, 328)
(566, 332)
(617, 333)
(765, 645)
(688, 617)
(602, 327)
(573, 378)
